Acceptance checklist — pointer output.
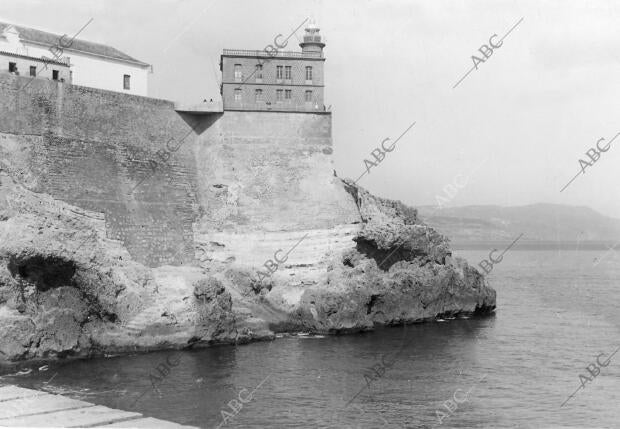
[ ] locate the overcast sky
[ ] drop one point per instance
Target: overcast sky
(520, 122)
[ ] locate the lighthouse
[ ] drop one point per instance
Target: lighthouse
(276, 80)
(312, 40)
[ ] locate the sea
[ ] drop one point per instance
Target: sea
(545, 359)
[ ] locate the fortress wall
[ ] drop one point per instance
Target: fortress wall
(234, 173)
(265, 179)
(90, 147)
(270, 172)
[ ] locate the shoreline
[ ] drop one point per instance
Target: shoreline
(277, 335)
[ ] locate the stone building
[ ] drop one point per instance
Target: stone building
(277, 81)
(24, 65)
(46, 55)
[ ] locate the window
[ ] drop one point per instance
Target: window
(238, 73)
(287, 94)
(259, 95)
(12, 67)
(279, 94)
(126, 79)
(308, 96)
(259, 71)
(237, 94)
(309, 73)
(287, 72)
(33, 70)
(55, 74)
(278, 72)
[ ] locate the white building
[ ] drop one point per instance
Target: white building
(89, 64)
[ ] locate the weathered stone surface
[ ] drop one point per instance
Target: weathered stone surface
(393, 232)
(17, 333)
(216, 321)
(401, 271)
(67, 290)
(360, 297)
(91, 213)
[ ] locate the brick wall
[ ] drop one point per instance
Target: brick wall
(240, 171)
(272, 172)
(90, 147)
(269, 84)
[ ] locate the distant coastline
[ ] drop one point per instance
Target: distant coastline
(544, 226)
(534, 245)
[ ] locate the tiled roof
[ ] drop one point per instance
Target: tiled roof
(47, 60)
(43, 37)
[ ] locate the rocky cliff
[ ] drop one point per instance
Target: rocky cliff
(126, 225)
(66, 289)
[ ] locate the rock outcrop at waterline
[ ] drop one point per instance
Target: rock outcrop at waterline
(68, 290)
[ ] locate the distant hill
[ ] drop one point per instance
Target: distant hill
(539, 222)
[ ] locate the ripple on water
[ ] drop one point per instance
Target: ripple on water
(556, 312)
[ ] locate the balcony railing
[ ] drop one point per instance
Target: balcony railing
(264, 54)
(278, 106)
(314, 38)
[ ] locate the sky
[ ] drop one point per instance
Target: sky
(511, 133)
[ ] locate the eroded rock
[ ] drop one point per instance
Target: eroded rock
(67, 290)
(216, 321)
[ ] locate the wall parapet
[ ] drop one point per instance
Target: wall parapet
(112, 153)
(265, 54)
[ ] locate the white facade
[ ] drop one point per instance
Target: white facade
(100, 72)
(90, 69)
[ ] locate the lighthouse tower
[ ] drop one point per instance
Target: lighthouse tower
(312, 40)
(290, 81)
